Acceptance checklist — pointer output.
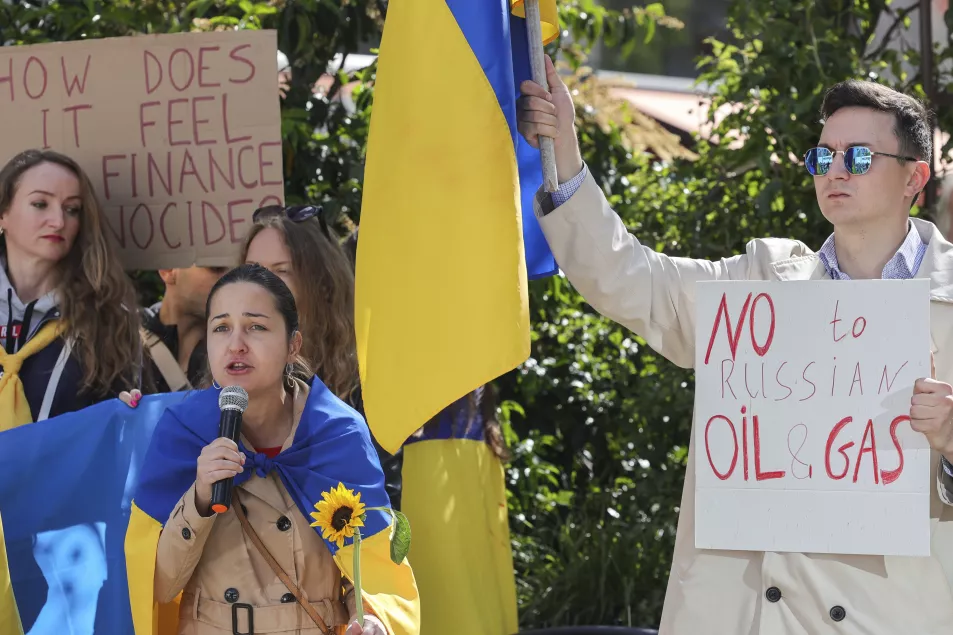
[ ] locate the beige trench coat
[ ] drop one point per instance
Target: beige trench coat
(217, 566)
(724, 592)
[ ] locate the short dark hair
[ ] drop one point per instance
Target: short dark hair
(912, 120)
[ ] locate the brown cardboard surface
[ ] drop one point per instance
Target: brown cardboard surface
(180, 134)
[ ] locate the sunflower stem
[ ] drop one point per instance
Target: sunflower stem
(358, 599)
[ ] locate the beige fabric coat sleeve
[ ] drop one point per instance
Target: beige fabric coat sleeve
(180, 547)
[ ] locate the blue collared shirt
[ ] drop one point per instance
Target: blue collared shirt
(570, 187)
(903, 266)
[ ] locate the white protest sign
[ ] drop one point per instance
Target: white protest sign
(802, 402)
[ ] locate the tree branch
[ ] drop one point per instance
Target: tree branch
(888, 36)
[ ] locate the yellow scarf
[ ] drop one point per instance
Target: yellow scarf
(14, 409)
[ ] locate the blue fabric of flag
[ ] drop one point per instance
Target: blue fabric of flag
(66, 487)
(499, 42)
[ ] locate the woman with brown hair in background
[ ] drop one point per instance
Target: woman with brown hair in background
(297, 244)
(69, 332)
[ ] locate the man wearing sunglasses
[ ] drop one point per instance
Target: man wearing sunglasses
(869, 166)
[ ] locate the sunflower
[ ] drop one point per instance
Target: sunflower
(340, 511)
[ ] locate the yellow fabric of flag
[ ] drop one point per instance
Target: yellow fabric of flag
(441, 297)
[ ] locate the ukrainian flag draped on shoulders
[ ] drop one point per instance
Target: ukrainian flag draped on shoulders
(332, 445)
(448, 235)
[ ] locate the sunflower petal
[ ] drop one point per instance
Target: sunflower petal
(330, 506)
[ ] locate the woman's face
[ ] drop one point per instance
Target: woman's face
(247, 338)
(269, 250)
(43, 220)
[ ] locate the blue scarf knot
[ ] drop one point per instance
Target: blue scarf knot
(261, 464)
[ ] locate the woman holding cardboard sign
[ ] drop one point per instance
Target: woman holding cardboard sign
(68, 338)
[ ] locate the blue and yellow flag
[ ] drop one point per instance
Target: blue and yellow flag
(448, 236)
(9, 616)
(332, 445)
(454, 495)
(66, 487)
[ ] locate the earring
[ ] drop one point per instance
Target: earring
(215, 385)
(289, 368)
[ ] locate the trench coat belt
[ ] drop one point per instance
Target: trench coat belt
(276, 618)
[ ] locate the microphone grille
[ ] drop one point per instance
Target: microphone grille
(233, 398)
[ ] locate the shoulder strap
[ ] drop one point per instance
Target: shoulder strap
(54, 380)
(250, 532)
(165, 361)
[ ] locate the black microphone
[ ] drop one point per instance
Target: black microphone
(232, 402)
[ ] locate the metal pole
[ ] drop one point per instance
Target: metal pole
(929, 87)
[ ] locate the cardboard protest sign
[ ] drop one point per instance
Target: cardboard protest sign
(180, 134)
(802, 439)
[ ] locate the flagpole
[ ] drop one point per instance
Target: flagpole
(536, 55)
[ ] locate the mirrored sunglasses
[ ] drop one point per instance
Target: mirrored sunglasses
(857, 159)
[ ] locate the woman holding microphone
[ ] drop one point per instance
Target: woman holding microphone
(260, 566)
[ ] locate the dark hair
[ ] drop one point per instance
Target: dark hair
(912, 123)
(284, 302)
(96, 299)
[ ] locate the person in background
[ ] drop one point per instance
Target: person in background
(297, 244)
(69, 331)
(454, 495)
(174, 329)
(284, 75)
